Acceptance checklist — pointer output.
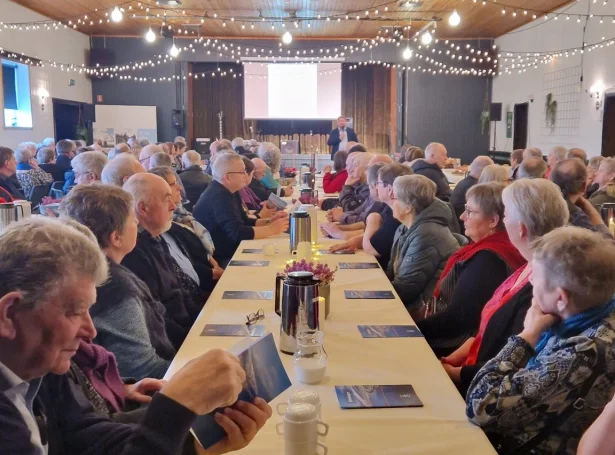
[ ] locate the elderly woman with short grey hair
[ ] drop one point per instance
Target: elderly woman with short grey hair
(272, 156)
(423, 242)
(88, 167)
(129, 321)
(29, 174)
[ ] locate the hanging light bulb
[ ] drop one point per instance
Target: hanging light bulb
(116, 15)
(454, 19)
(287, 38)
(150, 36)
(407, 55)
(426, 39)
(174, 51)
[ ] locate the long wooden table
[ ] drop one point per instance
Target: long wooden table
(440, 427)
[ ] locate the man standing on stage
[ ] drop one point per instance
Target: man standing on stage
(340, 136)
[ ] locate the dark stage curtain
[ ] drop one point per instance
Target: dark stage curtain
(366, 97)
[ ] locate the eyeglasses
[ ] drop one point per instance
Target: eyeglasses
(253, 318)
(244, 172)
(470, 212)
(380, 182)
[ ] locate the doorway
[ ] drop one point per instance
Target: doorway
(608, 126)
(520, 125)
(69, 121)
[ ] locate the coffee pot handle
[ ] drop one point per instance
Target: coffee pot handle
(20, 208)
(278, 294)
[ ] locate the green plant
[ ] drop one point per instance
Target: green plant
(550, 111)
(484, 122)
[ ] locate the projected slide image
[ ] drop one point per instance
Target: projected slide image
(292, 91)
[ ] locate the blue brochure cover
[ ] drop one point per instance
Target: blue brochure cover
(390, 331)
(249, 263)
(265, 378)
(247, 295)
(359, 265)
(233, 330)
(337, 252)
(279, 203)
(369, 295)
(252, 251)
(376, 396)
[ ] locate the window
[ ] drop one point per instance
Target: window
(16, 91)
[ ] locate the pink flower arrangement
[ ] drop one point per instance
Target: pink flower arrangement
(321, 272)
(48, 200)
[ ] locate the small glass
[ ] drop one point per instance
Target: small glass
(310, 357)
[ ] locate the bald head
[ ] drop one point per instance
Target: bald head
(118, 170)
(380, 158)
(147, 152)
(357, 164)
(532, 168)
(260, 168)
(556, 154)
(577, 153)
(532, 152)
(479, 163)
(570, 176)
(435, 153)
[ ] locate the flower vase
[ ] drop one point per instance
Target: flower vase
(324, 290)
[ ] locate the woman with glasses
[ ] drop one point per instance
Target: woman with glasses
(472, 273)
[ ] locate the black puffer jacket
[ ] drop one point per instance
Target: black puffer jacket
(419, 254)
(435, 174)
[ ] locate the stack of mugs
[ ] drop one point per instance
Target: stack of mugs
(301, 424)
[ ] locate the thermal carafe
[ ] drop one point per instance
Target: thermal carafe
(10, 213)
(308, 179)
(312, 211)
(296, 302)
(607, 212)
(299, 228)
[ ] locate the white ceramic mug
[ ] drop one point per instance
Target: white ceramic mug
(270, 249)
(301, 424)
(26, 208)
(305, 448)
(304, 251)
(302, 396)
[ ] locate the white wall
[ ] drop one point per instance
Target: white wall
(579, 123)
(66, 46)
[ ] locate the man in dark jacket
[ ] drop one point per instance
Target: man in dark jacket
(39, 411)
(605, 181)
(65, 150)
(431, 167)
(458, 196)
(8, 168)
(340, 136)
(193, 178)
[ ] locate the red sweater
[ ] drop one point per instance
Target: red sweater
(333, 183)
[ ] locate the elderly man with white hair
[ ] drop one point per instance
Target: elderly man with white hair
(356, 189)
(43, 323)
(258, 185)
(532, 168)
(605, 180)
(193, 178)
(120, 169)
(556, 154)
(147, 152)
(458, 196)
(219, 210)
(88, 167)
(239, 145)
(214, 148)
(431, 167)
(29, 174)
(534, 152)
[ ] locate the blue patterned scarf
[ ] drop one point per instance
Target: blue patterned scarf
(574, 325)
(23, 167)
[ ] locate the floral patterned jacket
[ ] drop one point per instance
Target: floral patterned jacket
(513, 401)
(31, 178)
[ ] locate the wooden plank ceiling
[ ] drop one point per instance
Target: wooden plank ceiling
(477, 20)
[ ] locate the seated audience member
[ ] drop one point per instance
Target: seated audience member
(238, 146)
(187, 248)
(128, 320)
(333, 183)
(380, 228)
(272, 157)
(357, 148)
(143, 143)
(410, 153)
(592, 170)
(135, 150)
(11, 189)
(46, 158)
(472, 273)
(350, 145)
(431, 167)
(556, 154)
(118, 150)
(49, 142)
(458, 196)
(28, 173)
(259, 185)
(147, 152)
(494, 173)
(355, 190)
(215, 148)
(219, 210)
(248, 197)
(516, 157)
(352, 223)
(179, 150)
(532, 168)
(227, 143)
(160, 159)
(120, 169)
(422, 244)
(88, 167)
(532, 152)
(168, 148)
(180, 139)
(194, 180)
(532, 208)
(38, 307)
(577, 153)
(166, 272)
(605, 181)
(65, 150)
(83, 149)
(550, 381)
(571, 177)
(380, 158)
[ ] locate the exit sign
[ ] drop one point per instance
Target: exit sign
(71, 82)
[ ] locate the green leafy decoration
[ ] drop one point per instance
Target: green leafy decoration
(550, 111)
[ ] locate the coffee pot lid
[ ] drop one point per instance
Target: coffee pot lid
(300, 214)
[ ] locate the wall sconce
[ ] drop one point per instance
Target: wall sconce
(42, 94)
(596, 90)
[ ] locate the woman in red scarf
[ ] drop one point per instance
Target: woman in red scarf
(532, 208)
(472, 273)
(333, 183)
